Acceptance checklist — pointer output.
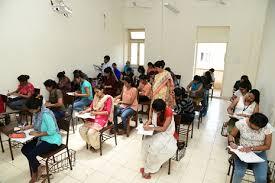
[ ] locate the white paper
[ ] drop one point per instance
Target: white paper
(85, 115)
(26, 139)
(235, 116)
(70, 93)
(12, 96)
(141, 131)
(249, 157)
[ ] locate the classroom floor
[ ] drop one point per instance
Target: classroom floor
(205, 160)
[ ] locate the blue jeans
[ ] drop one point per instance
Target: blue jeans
(59, 114)
(205, 102)
(31, 150)
(17, 104)
(79, 104)
(125, 113)
(259, 169)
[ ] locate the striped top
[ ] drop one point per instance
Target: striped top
(185, 106)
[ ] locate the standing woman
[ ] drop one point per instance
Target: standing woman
(110, 82)
(85, 94)
(102, 108)
(163, 87)
(46, 132)
(162, 145)
(24, 91)
(64, 83)
(55, 101)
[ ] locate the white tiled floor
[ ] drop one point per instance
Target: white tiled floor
(205, 160)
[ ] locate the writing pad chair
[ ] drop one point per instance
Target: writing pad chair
(63, 124)
(128, 125)
(198, 107)
(183, 131)
(178, 79)
(105, 136)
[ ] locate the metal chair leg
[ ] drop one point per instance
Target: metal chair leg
(1, 143)
(100, 144)
(11, 149)
(69, 157)
(192, 129)
(187, 135)
(47, 170)
(115, 138)
(169, 166)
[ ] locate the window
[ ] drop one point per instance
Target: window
(136, 46)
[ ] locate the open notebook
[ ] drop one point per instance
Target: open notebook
(249, 157)
(26, 139)
(85, 115)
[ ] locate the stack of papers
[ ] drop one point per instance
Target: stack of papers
(249, 157)
(141, 131)
(84, 116)
(26, 139)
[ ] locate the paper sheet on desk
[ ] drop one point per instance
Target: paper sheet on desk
(26, 139)
(12, 96)
(85, 115)
(70, 93)
(235, 116)
(249, 157)
(141, 131)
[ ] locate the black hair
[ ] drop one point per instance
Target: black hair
(50, 83)
(141, 69)
(197, 78)
(159, 105)
(258, 119)
(99, 87)
(180, 92)
(168, 69)
(78, 75)
(256, 94)
(245, 78)
(160, 64)
(129, 69)
(61, 74)
(23, 78)
(129, 80)
(108, 70)
(34, 102)
(114, 64)
(212, 70)
(150, 64)
(245, 85)
(107, 57)
(143, 77)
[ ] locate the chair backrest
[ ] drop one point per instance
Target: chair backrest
(64, 124)
(68, 100)
(36, 91)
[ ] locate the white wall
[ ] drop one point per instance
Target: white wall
(35, 40)
(173, 38)
(266, 70)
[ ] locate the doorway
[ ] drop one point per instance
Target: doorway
(211, 55)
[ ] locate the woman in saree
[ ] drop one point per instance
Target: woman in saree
(162, 145)
(102, 108)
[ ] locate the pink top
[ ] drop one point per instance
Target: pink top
(25, 90)
(130, 96)
(145, 90)
(103, 119)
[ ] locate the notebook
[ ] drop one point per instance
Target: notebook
(84, 116)
(26, 139)
(249, 157)
(141, 131)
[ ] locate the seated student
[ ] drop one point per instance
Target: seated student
(55, 102)
(64, 83)
(129, 73)
(116, 71)
(195, 87)
(75, 86)
(145, 89)
(102, 108)
(110, 82)
(237, 83)
(184, 106)
(46, 132)
(243, 106)
(242, 91)
(24, 91)
(162, 145)
(85, 94)
(150, 68)
(141, 71)
(255, 135)
(128, 104)
(212, 70)
(127, 65)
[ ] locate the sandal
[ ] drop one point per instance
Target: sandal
(148, 176)
(141, 170)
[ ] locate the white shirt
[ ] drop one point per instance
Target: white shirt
(105, 65)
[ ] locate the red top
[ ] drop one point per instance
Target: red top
(25, 90)
(168, 113)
